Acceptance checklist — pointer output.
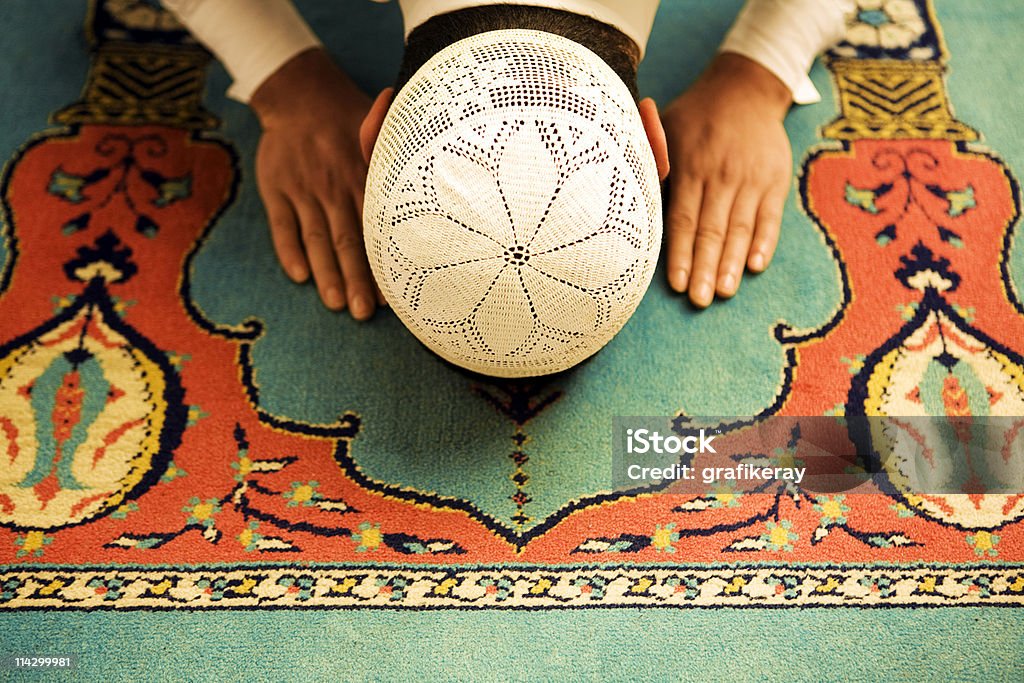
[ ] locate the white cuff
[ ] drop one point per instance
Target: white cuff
(251, 38)
(785, 36)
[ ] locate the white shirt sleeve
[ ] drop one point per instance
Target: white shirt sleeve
(254, 38)
(251, 38)
(785, 36)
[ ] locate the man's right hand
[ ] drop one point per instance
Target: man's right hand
(311, 175)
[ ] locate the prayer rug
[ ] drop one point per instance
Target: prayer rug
(183, 432)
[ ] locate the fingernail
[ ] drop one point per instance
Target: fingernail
(728, 283)
(298, 272)
(679, 280)
(703, 294)
(334, 299)
(757, 261)
(360, 307)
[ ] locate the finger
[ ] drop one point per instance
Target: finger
(737, 242)
(358, 196)
(707, 246)
(373, 121)
(347, 241)
(655, 135)
(284, 232)
(317, 240)
(768, 227)
(683, 212)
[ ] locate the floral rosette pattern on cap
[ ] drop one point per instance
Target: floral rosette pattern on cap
(513, 214)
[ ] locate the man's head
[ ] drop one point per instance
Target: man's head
(607, 42)
(513, 210)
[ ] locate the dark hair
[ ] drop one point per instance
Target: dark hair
(607, 42)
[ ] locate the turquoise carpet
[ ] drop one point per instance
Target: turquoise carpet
(627, 645)
(44, 71)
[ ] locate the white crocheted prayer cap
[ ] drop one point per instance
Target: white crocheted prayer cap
(513, 207)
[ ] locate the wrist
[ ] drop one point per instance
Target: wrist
(733, 70)
(299, 81)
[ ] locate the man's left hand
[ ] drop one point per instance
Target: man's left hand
(731, 168)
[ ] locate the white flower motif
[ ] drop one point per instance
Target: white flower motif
(524, 242)
(889, 24)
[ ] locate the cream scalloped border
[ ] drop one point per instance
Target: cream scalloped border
(277, 587)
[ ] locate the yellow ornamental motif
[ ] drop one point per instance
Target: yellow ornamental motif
(785, 459)
(303, 493)
(891, 99)
(244, 466)
(346, 586)
(831, 509)
(203, 511)
(371, 538)
(85, 409)
(33, 541)
(779, 536)
(724, 495)
(983, 541)
(662, 538)
(944, 368)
